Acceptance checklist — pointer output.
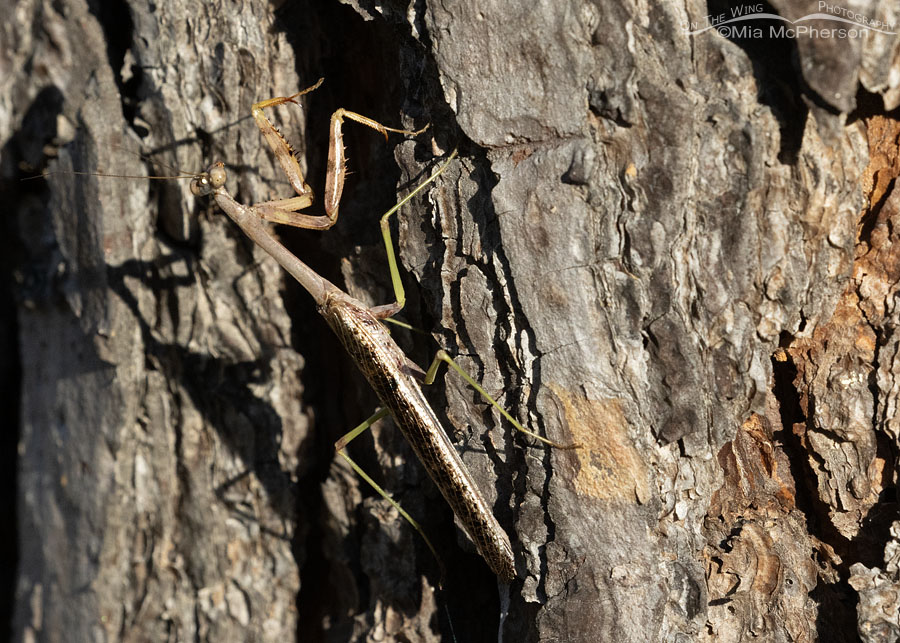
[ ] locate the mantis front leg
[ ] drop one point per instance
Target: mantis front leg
(287, 211)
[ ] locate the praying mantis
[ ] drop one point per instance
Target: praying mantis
(361, 330)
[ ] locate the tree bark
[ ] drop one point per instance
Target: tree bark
(675, 249)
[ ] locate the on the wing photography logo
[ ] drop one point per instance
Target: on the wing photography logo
(753, 21)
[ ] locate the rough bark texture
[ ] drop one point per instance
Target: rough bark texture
(679, 251)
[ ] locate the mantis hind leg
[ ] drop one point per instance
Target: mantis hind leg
(341, 448)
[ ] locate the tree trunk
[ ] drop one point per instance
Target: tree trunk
(672, 246)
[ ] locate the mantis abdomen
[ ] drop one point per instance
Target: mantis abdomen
(385, 367)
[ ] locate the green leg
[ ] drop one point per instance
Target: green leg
(385, 311)
(341, 445)
(442, 356)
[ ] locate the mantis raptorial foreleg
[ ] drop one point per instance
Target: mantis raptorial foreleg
(287, 211)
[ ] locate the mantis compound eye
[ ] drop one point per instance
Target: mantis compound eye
(200, 185)
(217, 175)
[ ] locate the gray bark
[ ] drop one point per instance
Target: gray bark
(675, 250)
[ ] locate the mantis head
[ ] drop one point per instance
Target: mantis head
(209, 181)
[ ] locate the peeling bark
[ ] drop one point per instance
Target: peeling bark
(676, 250)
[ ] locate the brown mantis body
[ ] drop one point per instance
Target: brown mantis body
(386, 368)
(362, 332)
